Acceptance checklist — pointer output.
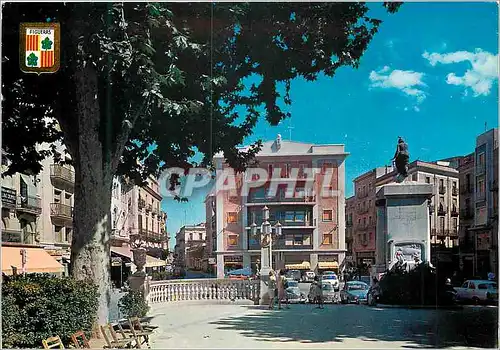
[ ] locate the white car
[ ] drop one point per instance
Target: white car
(478, 291)
(332, 279)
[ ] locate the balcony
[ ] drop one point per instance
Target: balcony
(361, 227)
(141, 203)
(363, 210)
(442, 210)
(61, 211)
(348, 224)
(363, 194)
(9, 198)
(466, 214)
(61, 176)
(454, 211)
(454, 191)
(149, 236)
(282, 199)
(149, 208)
(442, 189)
(480, 169)
(452, 233)
(465, 189)
(29, 204)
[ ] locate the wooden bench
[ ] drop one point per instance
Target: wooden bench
(139, 331)
(52, 342)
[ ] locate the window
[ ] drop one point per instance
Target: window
(481, 185)
(289, 216)
(364, 222)
(455, 223)
(301, 171)
(270, 170)
(288, 170)
(414, 177)
(454, 205)
(300, 216)
(327, 215)
(139, 220)
(480, 159)
(232, 217)
(298, 240)
(454, 185)
(472, 285)
(370, 220)
(232, 240)
(465, 285)
(441, 223)
(427, 180)
(69, 236)
(191, 236)
(327, 238)
(441, 182)
(370, 203)
(58, 233)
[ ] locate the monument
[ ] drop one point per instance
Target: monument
(403, 222)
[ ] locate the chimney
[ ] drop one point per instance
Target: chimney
(278, 142)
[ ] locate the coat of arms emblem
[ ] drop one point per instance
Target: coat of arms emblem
(39, 50)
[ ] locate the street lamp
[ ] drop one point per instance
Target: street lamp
(265, 249)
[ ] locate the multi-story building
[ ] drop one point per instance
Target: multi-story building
(362, 212)
(466, 236)
(190, 247)
(210, 256)
(21, 207)
(485, 229)
(310, 208)
(349, 227)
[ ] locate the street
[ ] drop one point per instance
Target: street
(197, 325)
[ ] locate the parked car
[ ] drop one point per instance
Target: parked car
(294, 274)
(329, 293)
(308, 276)
(354, 292)
(478, 291)
(332, 279)
(294, 293)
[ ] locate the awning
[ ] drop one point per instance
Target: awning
(305, 265)
(154, 262)
(38, 260)
(123, 251)
(328, 265)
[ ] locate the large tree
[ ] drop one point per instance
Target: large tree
(169, 75)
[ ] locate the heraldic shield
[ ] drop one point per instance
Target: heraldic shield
(40, 47)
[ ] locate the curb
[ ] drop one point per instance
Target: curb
(424, 307)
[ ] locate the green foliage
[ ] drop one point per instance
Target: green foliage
(420, 286)
(38, 306)
(161, 275)
(133, 304)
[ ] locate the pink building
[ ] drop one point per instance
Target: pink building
(309, 206)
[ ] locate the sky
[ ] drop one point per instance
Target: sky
(429, 75)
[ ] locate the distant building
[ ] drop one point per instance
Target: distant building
(190, 247)
(466, 171)
(313, 226)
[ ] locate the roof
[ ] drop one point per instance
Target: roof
(38, 260)
(294, 148)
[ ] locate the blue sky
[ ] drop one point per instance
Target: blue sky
(429, 75)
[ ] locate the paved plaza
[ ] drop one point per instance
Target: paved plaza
(242, 325)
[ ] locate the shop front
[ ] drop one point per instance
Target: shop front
(297, 262)
(328, 263)
(232, 262)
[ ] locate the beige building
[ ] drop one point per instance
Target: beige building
(190, 247)
(466, 237)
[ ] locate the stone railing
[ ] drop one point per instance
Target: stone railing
(203, 289)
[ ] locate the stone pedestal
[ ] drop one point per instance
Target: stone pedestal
(403, 225)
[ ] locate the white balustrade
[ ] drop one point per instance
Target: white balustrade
(203, 289)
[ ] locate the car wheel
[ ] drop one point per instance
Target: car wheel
(475, 300)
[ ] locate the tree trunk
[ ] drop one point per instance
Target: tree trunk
(90, 256)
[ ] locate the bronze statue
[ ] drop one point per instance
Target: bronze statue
(402, 157)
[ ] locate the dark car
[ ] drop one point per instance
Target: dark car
(354, 292)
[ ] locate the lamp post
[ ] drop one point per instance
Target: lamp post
(265, 250)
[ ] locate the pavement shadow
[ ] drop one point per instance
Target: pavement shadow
(336, 323)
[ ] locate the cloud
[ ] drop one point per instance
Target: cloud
(479, 78)
(404, 80)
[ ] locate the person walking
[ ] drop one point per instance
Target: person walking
(318, 292)
(282, 285)
(271, 289)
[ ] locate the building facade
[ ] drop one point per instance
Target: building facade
(309, 206)
(466, 172)
(485, 229)
(190, 247)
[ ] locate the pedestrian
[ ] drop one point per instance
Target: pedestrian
(271, 289)
(318, 293)
(282, 285)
